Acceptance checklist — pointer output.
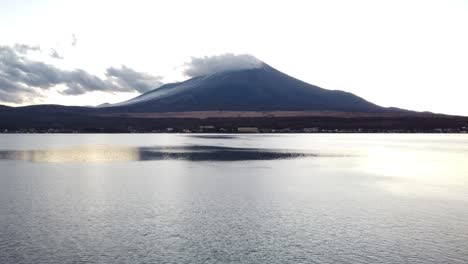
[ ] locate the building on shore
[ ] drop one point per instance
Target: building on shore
(247, 130)
(207, 129)
(311, 130)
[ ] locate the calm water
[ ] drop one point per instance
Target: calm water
(233, 198)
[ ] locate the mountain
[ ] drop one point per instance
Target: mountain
(258, 89)
(261, 97)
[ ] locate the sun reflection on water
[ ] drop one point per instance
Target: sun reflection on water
(94, 153)
(417, 171)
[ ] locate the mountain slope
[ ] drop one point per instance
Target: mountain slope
(258, 89)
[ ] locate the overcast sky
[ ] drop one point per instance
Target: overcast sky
(408, 54)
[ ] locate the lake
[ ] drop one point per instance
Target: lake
(233, 198)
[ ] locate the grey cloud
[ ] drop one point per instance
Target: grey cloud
(74, 41)
(126, 77)
(54, 54)
(20, 78)
(19, 69)
(15, 93)
(219, 63)
(24, 49)
(16, 98)
(79, 82)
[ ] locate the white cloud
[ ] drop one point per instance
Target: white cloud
(225, 62)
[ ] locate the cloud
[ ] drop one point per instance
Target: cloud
(22, 79)
(219, 63)
(126, 77)
(54, 54)
(73, 41)
(15, 93)
(79, 82)
(24, 49)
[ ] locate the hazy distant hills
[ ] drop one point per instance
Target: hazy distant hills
(258, 89)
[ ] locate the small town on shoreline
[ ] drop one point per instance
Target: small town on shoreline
(240, 130)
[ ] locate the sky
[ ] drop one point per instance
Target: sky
(409, 54)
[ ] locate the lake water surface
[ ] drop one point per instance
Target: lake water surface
(284, 198)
